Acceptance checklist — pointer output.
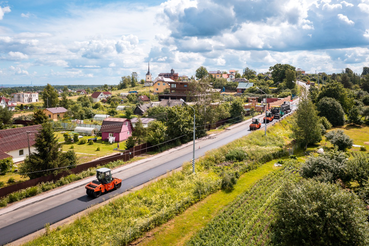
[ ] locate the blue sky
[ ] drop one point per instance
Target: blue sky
(97, 42)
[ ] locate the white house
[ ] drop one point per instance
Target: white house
(25, 97)
(5, 102)
(99, 95)
(14, 142)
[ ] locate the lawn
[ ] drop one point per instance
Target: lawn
(15, 176)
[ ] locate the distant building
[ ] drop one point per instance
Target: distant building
(143, 98)
(55, 113)
(172, 75)
(81, 92)
(5, 102)
(161, 83)
(148, 79)
(216, 74)
(300, 70)
(244, 86)
(119, 129)
(25, 97)
(141, 109)
(98, 96)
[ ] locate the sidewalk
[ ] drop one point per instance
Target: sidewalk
(83, 182)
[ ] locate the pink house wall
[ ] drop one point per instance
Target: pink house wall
(125, 133)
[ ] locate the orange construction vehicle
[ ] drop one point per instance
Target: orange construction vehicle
(269, 117)
(255, 124)
(104, 183)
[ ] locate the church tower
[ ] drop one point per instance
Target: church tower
(148, 75)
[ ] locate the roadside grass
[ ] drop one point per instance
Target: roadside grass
(17, 177)
(184, 226)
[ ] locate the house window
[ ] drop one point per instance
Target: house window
(163, 83)
(158, 83)
(21, 152)
(49, 115)
(126, 123)
(58, 115)
(173, 85)
(128, 132)
(184, 85)
(157, 89)
(110, 134)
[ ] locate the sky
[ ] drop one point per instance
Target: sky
(98, 42)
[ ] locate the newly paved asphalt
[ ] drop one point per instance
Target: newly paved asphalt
(32, 217)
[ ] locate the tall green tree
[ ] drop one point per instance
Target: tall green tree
(290, 79)
(156, 132)
(248, 73)
(365, 83)
(345, 80)
(337, 91)
(5, 117)
(39, 117)
(331, 109)
(50, 97)
(365, 71)
(279, 72)
(47, 155)
(314, 213)
(201, 73)
(307, 125)
(237, 110)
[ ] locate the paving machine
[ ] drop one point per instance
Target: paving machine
(104, 183)
(255, 124)
(269, 117)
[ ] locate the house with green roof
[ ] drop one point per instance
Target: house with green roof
(244, 86)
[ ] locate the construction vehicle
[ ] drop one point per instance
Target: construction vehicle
(104, 183)
(277, 113)
(255, 124)
(286, 108)
(269, 117)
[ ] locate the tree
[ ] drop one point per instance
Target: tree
(134, 79)
(345, 80)
(354, 115)
(139, 133)
(290, 79)
(248, 73)
(365, 83)
(39, 117)
(306, 126)
(314, 213)
(335, 90)
(358, 168)
(124, 83)
(237, 110)
(365, 71)
(5, 117)
(279, 72)
(201, 73)
(156, 132)
(332, 110)
(128, 112)
(339, 139)
(6, 165)
(47, 158)
(50, 97)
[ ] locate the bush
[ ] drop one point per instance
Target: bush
(90, 142)
(339, 139)
(72, 147)
(11, 180)
(331, 216)
(98, 149)
(67, 138)
(228, 181)
(236, 155)
(82, 141)
(327, 125)
(1, 184)
(332, 110)
(6, 165)
(362, 148)
(366, 100)
(322, 129)
(75, 137)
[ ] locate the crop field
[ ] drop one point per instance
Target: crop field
(247, 219)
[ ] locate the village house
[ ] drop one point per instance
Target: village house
(161, 83)
(14, 142)
(5, 102)
(143, 98)
(100, 95)
(25, 97)
(216, 74)
(172, 75)
(81, 92)
(141, 109)
(55, 113)
(145, 121)
(116, 129)
(244, 86)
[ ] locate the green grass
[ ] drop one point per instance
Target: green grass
(182, 227)
(15, 176)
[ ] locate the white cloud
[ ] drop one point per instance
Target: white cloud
(18, 71)
(17, 56)
(25, 15)
(330, 7)
(364, 7)
(345, 19)
(347, 4)
(366, 34)
(4, 11)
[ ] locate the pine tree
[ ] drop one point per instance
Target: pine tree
(50, 97)
(47, 155)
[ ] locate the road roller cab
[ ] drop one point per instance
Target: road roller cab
(255, 124)
(104, 183)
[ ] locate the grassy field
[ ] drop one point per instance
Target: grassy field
(15, 176)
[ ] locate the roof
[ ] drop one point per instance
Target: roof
(162, 79)
(81, 128)
(106, 93)
(57, 110)
(16, 138)
(143, 120)
(103, 170)
(245, 85)
(241, 80)
(113, 124)
(96, 94)
(214, 72)
(170, 102)
(143, 98)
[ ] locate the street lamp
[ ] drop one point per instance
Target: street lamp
(265, 101)
(194, 127)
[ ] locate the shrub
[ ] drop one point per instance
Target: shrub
(98, 148)
(82, 141)
(11, 180)
(339, 139)
(293, 157)
(6, 164)
(366, 100)
(90, 142)
(75, 137)
(331, 215)
(67, 138)
(236, 155)
(327, 125)
(32, 191)
(322, 129)
(362, 148)
(1, 184)
(72, 147)
(228, 181)
(332, 110)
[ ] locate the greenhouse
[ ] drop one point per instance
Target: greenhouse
(88, 131)
(120, 108)
(101, 117)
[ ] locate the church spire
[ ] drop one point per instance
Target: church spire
(148, 69)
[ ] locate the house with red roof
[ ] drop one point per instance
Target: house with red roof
(14, 142)
(116, 129)
(55, 113)
(81, 92)
(143, 98)
(5, 102)
(99, 95)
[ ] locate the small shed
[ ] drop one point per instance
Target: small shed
(120, 108)
(87, 131)
(101, 117)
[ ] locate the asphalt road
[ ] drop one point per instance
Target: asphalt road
(31, 218)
